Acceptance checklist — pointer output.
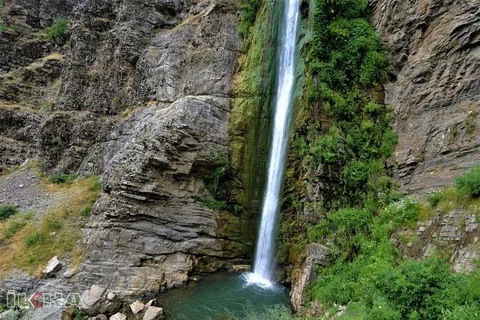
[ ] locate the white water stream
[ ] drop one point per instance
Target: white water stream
(264, 266)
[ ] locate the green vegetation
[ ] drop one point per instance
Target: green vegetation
(54, 224)
(63, 178)
(56, 31)
(342, 136)
(434, 198)
(46, 234)
(15, 224)
(86, 211)
(470, 125)
(2, 26)
(469, 183)
(248, 10)
(6, 211)
(36, 238)
(375, 281)
(219, 184)
(343, 139)
(345, 62)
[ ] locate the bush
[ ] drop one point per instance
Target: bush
(469, 183)
(54, 224)
(403, 212)
(56, 31)
(63, 178)
(13, 228)
(435, 198)
(7, 211)
(248, 10)
(34, 239)
(96, 186)
(86, 211)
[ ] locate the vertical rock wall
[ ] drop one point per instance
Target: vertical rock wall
(435, 50)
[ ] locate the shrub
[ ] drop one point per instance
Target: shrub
(435, 198)
(13, 228)
(35, 238)
(56, 31)
(96, 186)
(389, 142)
(54, 224)
(469, 183)
(63, 178)
(86, 211)
(470, 125)
(401, 213)
(7, 211)
(248, 10)
(219, 183)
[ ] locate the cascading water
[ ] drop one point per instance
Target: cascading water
(264, 265)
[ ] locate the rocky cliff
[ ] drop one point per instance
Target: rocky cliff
(139, 92)
(434, 50)
(433, 90)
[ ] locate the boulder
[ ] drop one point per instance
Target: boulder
(154, 313)
(137, 306)
(68, 274)
(97, 300)
(52, 267)
(118, 316)
(148, 304)
(67, 313)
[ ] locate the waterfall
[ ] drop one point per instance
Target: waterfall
(264, 265)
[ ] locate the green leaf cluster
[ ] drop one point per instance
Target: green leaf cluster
(469, 183)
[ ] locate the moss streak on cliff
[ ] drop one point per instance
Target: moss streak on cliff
(251, 108)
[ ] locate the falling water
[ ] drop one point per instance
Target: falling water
(265, 254)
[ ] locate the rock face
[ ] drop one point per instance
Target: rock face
(97, 300)
(149, 229)
(435, 48)
(140, 94)
(454, 236)
(304, 276)
(18, 135)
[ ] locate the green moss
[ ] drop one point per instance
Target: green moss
(249, 9)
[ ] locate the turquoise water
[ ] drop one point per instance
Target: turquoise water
(220, 297)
